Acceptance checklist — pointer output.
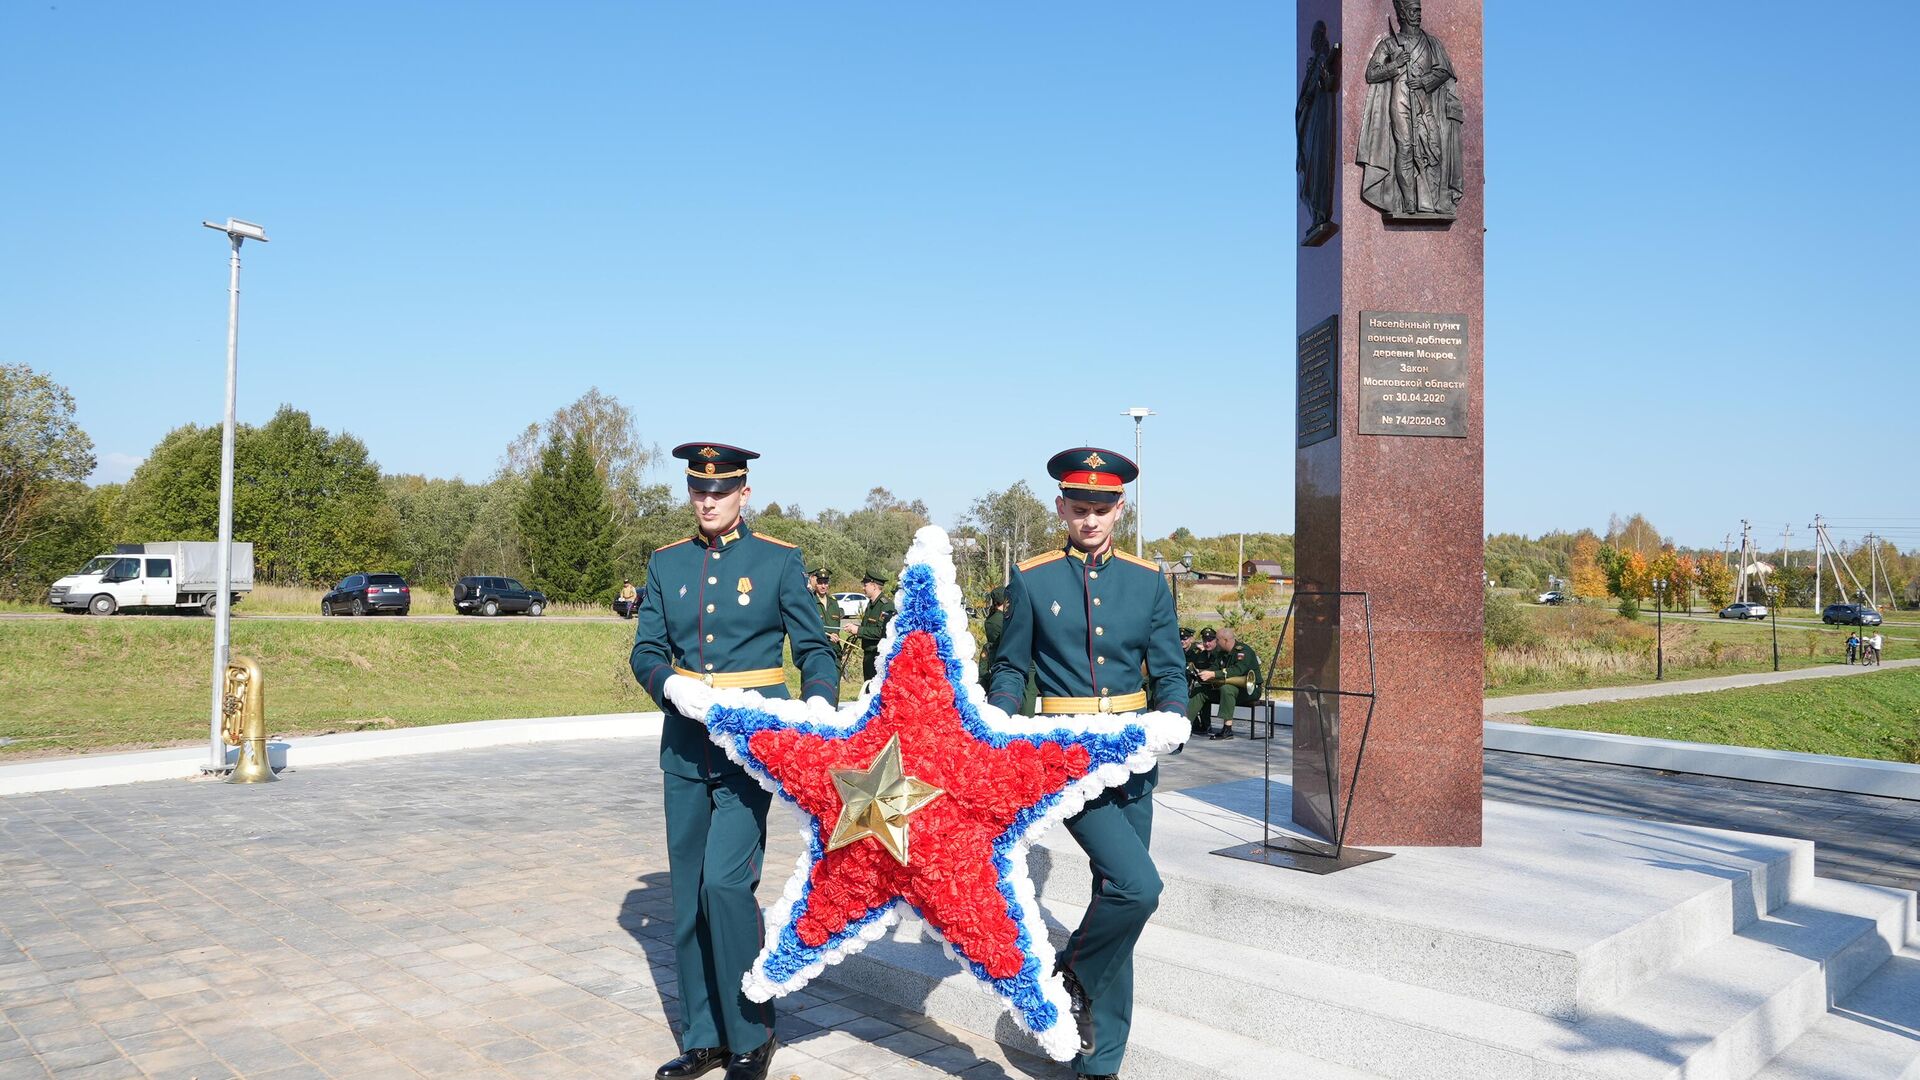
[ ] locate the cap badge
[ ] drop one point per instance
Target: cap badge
(710, 468)
(1094, 461)
(709, 452)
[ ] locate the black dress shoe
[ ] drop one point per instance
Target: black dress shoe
(753, 1064)
(1224, 733)
(698, 1061)
(1081, 1008)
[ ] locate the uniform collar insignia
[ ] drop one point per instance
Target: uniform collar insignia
(730, 536)
(1095, 561)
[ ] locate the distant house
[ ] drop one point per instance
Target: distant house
(1273, 571)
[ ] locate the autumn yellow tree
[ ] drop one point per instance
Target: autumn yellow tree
(1589, 580)
(1716, 582)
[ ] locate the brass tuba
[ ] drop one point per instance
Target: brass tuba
(243, 706)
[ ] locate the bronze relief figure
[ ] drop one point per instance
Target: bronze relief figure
(1410, 130)
(1316, 131)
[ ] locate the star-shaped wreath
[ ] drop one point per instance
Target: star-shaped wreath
(921, 794)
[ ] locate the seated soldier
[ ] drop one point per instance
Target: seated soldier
(1203, 692)
(1239, 680)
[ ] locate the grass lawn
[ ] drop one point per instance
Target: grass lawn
(1581, 646)
(1866, 716)
(82, 684)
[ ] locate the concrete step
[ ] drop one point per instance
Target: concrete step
(1725, 1011)
(1872, 1034)
(912, 972)
(1558, 913)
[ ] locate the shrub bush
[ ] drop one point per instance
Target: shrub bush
(1507, 624)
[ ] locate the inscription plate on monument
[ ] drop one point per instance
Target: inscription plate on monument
(1413, 374)
(1317, 384)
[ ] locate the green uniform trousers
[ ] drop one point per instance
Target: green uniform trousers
(716, 844)
(1114, 830)
(1205, 697)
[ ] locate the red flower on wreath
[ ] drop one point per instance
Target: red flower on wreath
(951, 878)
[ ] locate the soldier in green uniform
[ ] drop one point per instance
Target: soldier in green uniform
(716, 607)
(1233, 678)
(873, 624)
(1097, 627)
(996, 621)
(1199, 702)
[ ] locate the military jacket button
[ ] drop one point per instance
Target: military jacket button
(713, 581)
(1096, 601)
(709, 637)
(1093, 573)
(709, 609)
(1099, 631)
(1099, 659)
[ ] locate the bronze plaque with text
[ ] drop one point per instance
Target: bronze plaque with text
(1413, 374)
(1317, 384)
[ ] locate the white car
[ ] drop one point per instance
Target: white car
(1744, 611)
(1551, 598)
(852, 604)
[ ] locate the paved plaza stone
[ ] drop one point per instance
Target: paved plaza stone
(505, 912)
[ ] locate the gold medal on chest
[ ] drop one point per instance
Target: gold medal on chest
(746, 590)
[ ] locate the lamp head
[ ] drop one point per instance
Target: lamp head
(239, 230)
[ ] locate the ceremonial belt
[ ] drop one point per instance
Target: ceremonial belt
(737, 680)
(1102, 704)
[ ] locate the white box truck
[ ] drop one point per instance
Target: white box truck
(179, 575)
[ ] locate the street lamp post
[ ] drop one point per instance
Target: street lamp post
(1139, 533)
(237, 231)
(1659, 628)
(1773, 616)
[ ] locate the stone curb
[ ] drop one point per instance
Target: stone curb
(1863, 776)
(179, 763)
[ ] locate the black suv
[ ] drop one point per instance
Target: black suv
(493, 595)
(368, 594)
(1851, 614)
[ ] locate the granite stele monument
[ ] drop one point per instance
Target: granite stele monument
(1499, 941)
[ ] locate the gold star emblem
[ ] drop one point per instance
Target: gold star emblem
(1094, 461)
(709, 452)
(876, 800)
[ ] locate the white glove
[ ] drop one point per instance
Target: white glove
(689, 696)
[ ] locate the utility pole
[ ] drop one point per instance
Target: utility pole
(1746, 548)
(1816, 563)
(1786, 532)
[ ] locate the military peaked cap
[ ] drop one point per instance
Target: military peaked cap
(714, 467)
(1091, 474)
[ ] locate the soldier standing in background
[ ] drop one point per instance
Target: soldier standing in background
(873, 624)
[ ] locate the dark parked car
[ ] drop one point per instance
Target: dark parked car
(1851, 614)
(368, 594)
(1744, 611)
(493, 595)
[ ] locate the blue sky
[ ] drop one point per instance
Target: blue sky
(924, 246)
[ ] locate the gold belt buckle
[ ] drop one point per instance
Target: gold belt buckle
(1106, 704)
(707, 678)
